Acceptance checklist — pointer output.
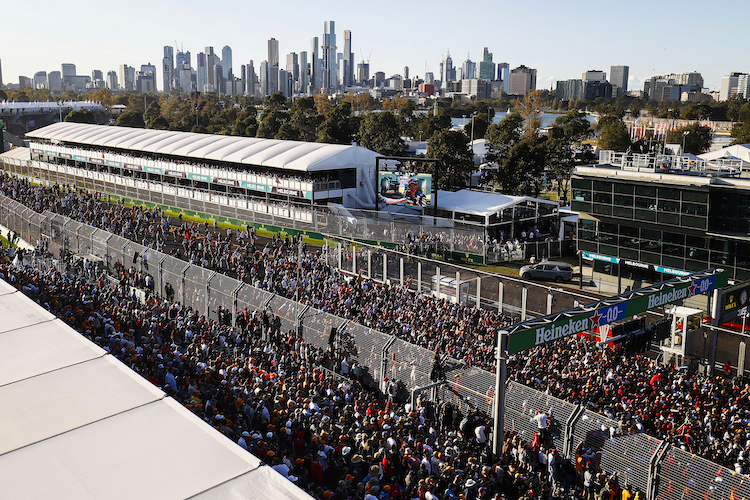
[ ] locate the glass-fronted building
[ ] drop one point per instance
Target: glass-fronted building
(649, 223)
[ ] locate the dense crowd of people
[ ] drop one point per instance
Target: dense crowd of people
(323, 431)
(705, 415)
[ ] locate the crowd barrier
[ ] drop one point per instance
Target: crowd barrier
(661, 471)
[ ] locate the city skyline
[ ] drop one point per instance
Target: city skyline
(388, 40)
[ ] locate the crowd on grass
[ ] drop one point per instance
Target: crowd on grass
(705, 415)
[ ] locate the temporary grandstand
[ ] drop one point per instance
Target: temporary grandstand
(77, 423)
(288, 170)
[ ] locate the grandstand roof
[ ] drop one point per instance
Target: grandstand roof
(290, 155)
(77, 423)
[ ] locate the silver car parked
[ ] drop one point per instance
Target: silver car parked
(557, 271)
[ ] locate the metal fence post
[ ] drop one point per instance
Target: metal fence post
(550, 298)
(208, 296)
(569, 426)
(437, 282)
(524, 294)
(384, 362)
(369, 263)
(654, 469)
(183, 276)
(401, 270)
(479, 292)
(458, 287)
(419, 277)
(339, 247)
(385, 267)
(500, 297)
(354, 259)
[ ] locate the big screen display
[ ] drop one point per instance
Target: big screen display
(405, 188)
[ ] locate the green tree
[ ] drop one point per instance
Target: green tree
(246, 124)
(273, 117)
(613, 134)
(501, 137)
(455, 160)
(339, 126)
(304, 120)
(566, 150)
(432, 124)
(741, 133)
(380, 132)
(477, 127)
(153, 112)
(3, 95)
(697, 138)
(131, 119)
(530, 108)
(520, 172)
(81, 116)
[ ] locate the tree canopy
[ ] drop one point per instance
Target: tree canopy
(131, 119)
(81, 116)
(380, 132)
(697, 138)
(613, 134)
(455, 160)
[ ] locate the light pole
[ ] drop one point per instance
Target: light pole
(684, 134)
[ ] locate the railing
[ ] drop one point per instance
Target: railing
(661, 471)
(649, 162)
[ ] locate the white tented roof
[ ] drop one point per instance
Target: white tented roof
(17, 154)
(738, 151)
(76, 423)
(478, 202)
(290, 155)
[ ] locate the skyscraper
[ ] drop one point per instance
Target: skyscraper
(348, 78)
(272, 85)
(226, 62)
(503, 73)
(328, 80)
(167, 67)
(112, 80)
(314, 64)
(40, 80)
(54, 81)
(406, 72)
(363, 73)
(250, 87)
(449, 72)
(618, 77)
(202, 69)
(212, 60)
(468, 69)
(263, 78)
(486, 66)
(127, 77)
(304, 74)
(522, 80)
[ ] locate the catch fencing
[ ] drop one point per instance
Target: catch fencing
(659, 470)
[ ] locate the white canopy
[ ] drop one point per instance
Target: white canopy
(76, 423)
(480, 203)
(738, 151)
(290, 155)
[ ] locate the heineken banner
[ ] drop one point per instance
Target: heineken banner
(606, 314)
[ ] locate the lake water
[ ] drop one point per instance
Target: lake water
(547, 119)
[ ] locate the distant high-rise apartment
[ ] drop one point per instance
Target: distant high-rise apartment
(263, 76)
(226, 62)
(363, 73)
(145, 81)
(96, 74)
(201, 64)
(406, 72)
(112, 80)
(68, 69)
(448, 73)
(168, 68)
(304, 74)
(40, 80)
(594, 76)
(522, 80)
(503, 73)
(328, 80)
(250, 75)
(54, 81)
(618, 77)
(272, 81)
(730, 86)
(292, 65)
(429, 78)
(314, 63)
(24, 82)
(468, 68)
(212, 60)
(127, 77)
(348, 68)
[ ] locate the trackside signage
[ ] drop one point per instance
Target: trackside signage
(585, 321)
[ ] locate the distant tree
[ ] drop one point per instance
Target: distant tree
(530, 108)
(339, 126)
(153, 112)
(613, 134)
(501, 137)
(565, 148)
(697, 138)
(455, 160)
(432, 124)
(477, 127)
(322, 103)
(381, 132)
(303, 123)
(103, 96)
(741, 133)
(158, 123)
(273, 117)
(81, 116)
(521, 171)
(131, 119)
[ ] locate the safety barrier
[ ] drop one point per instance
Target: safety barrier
(651, 465)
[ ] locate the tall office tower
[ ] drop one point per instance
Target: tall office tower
(503, 73)
(201, 64)
(168, 69)
(314, 64)
(406, 72)
(618, 77)
(448, 73)
(379, 79)
(68, 69)
(112, 80)
(127, 77)
(96, 74)
(24, 82)
(468, 68)
(226, 62)
(284, 82)
(250, 88)
(522, 80)
(348, 74)
(743, 85)
(328, 80)
(218, 78)
(54, 81)
(486, 66)
(429, 78)
(363, 73)
(733, 84)
(40, 80)
(692, 78)
(273, 67)
(304, 74)
(263, 79)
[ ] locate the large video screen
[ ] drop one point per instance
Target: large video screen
(405, 188)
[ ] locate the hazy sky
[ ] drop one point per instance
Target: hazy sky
(560, 39)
